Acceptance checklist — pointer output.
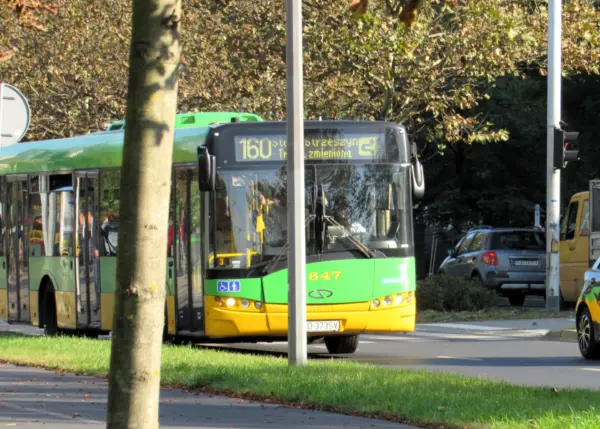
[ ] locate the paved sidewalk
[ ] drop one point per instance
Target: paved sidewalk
(38, 399)
(513, 328)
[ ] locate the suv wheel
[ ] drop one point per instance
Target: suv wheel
(516, 300)
(476, 277)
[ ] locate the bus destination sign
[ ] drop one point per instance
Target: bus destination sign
(366, 147)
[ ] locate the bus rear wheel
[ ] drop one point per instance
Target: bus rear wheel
(49, 319)
(342, 344)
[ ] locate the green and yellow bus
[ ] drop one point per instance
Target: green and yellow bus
(226, 259)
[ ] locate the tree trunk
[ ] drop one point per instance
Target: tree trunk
(134, 380)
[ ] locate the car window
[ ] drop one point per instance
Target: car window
(567, 229)
(477, 243)
(518, 240)
(584, 222)
(464, 246)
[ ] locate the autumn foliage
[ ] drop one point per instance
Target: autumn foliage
(433, 77)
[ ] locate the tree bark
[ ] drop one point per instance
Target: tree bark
(134, 379)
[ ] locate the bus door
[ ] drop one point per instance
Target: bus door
(189, 285)
(87, 260)
(3, 288)
(17, 255)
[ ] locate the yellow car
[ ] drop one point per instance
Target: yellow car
(588, 314)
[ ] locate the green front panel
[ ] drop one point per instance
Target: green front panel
(60, 269)
(248, 288)
(108, 274)
(331, 282)
(3, 282)
(394, 275)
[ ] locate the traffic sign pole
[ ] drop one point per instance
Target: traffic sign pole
(297, 347)
(1, 111)
(552, 174)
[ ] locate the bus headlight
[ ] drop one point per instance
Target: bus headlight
(375, 303)
(387, 300)
(258, 305)
(230, 302)
(398, 300)
(245, 303)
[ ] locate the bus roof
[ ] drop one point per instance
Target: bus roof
(312, 124)
(199, 119)
(92, 151)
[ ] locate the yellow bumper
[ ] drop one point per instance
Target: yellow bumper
(272, 319)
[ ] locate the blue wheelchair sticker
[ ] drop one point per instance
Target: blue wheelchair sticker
(229, 286)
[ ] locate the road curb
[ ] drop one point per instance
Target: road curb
(567, 335)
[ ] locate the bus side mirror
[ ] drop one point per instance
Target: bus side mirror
(206, 170)
(418, 179)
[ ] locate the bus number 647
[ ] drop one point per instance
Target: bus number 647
(327, 275)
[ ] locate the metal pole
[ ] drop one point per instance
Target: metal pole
(552, 175)
(1, 113)
(297, 349)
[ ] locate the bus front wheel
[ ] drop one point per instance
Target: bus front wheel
(342, 344)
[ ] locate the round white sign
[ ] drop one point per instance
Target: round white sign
(14, 115)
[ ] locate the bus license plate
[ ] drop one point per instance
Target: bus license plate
(323, 326)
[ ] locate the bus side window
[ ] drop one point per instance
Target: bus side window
(109, 212)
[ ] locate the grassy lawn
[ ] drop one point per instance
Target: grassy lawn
(416, 397)
(494, 313)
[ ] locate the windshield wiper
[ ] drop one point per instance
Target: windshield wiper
(282, 254)
(320, 230)
(348, 235)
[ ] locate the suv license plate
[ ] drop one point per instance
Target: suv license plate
(322, 325)
(528, 263)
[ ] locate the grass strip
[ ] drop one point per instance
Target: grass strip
(418, 397)
(430, 316)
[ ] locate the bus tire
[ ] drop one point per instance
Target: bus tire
(49, 320)
(166, 337)
(342, 344)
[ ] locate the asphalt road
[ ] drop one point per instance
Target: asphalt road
(513, 351)
(520, 360)
(37, 399)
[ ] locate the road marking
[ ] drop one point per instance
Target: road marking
(50, 413)
(458, 358)
(389, 337)
(438, 336)
(591, 369)
(463, 326)
(443, 336)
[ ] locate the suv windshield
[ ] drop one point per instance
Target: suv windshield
(518, 240)
(362, 204)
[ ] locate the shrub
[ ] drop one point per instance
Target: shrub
(446, 293)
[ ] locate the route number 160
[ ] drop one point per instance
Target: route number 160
(256, 149)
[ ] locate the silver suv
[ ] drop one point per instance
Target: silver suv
(510, 260)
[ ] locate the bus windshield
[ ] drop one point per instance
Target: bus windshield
(357, 204)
